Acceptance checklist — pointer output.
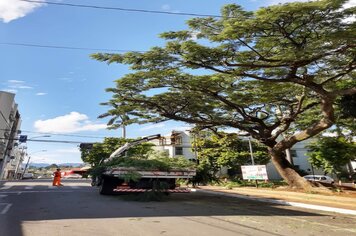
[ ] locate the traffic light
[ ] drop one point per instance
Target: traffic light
(23, 138)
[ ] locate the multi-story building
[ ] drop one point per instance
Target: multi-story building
(177, 143)
(299, 159)
(10, 122)
(180, 143)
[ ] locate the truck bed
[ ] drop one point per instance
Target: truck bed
(174, 174)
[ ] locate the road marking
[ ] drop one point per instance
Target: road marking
(5, 187)
(29, 187)
(2, 196)
(6, 208)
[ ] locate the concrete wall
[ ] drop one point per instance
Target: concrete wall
(6, 106)
(10, 123)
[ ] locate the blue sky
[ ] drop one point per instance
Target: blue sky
(59, 90)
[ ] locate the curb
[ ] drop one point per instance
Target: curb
(282, 202)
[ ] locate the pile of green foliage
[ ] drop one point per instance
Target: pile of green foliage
(101, 151)
(155, 160)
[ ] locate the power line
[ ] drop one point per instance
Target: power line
(122, 9)
(65, 47)
(47, 141)
(59, 134)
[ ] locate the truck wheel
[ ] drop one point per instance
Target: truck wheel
(106, 187)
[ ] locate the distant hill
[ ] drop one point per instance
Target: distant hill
(72, 164)
(39, 165)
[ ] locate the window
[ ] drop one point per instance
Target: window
(176, 140)
(162, 141)
(179, 151)
(293, 153)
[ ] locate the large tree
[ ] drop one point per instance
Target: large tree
(260, 72)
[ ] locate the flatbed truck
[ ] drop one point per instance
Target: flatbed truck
(113, 179)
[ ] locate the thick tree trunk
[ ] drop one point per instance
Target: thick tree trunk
(285, 169)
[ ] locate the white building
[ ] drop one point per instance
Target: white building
(299, 159)
(180, 143)
(177, 143)
(10, 122)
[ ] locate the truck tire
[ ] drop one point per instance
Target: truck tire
(107, 186)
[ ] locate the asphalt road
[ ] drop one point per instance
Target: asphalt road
(35, 208)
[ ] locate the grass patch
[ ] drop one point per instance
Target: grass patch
(245, 183)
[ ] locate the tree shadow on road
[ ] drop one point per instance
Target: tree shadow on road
(86, 203)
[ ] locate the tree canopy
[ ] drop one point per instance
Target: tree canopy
(227, 150)
(331, 153)
(260, 71)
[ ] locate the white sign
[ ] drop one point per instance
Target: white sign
(254, 172)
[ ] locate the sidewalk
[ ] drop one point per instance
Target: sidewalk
(337, 202)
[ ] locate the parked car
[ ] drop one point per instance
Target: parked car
(320, 178)
(27, 176)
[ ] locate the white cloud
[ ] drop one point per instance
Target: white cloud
(41, 94)
(154, 126)
(17, 84)
(14, 9)
(166, 7)
(69, 123)
(21, 86)
(16, 81)
(68, 79)
(10, 90)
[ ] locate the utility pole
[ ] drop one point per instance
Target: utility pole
(28, 160)
(123, 131)
(251, 151)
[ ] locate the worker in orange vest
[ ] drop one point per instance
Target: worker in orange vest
(57, 178)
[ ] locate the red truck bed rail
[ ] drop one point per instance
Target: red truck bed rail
(140, 190)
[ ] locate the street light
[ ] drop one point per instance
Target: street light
(29, 158)
(250, 145)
